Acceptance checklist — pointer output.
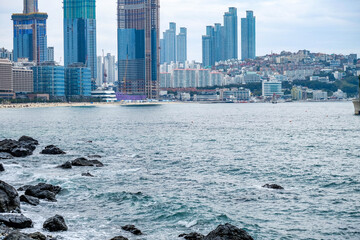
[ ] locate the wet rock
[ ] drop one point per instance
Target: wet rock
(87, 175)
(28, 140)
(16, 148)
(228, 232)
(5, 155)
(132, 229)
(37, 236)
(94, 156)
(15, 220)
(83, 162)
(43, 191)
(24, 188)
(9, 198)
(66, 165)
(52, 150)
(55, 224)
(15, 235)
(273, 186)
(2, 169)
(119, 238)
(30, 200)
(192, 236)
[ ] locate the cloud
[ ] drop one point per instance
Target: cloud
(330, 26)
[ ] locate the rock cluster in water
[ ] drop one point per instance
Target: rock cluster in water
(23, 147)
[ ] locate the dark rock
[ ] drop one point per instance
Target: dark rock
(2, 169)
(66, 165)
(21, 151)
(29, 140)
(43, 191)
(52, 150)
(30, 200)
(5, 155)
(273, 186)
(15, 220)
(87, 175)
(228, 232)
(119, 238)
(16, 148)
(192, 236)
(94, 156)
(15, 235)
(9, 198)
(83, 162)
(55, 224)
(24, 188)
(132, 229)
(37, 236)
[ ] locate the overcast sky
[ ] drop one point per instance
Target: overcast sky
(328, 26)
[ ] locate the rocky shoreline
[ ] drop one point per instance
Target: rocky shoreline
(12, 220)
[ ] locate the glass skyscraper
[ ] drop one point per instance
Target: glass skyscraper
(80, 34)
(138, 47)
(248, 39)
(173, 48)
(231, 34)
(181, 45)
(30, 38)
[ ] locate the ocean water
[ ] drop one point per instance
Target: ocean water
(181, 168)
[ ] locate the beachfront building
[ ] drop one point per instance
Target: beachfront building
(77, 81)
(49, 78)
(23, 80)
(6, 79)
(269, 88)
(30, 38)
(80, 34)
(248, 36)
(138, 48)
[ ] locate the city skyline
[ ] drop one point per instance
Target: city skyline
(281, 25)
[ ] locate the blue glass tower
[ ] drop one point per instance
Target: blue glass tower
(30, 38)
(181, 45)
(78, 81)
(248, 37)
(138, 47)
(170, 43)
(231, 34)
(80, 34)
(49, 79)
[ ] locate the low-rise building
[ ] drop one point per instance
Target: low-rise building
(77, 81)
(319, 95)
(49, 78)
(269, 88)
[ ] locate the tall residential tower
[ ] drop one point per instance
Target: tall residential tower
(248, 39)
(30, 38)
(138, 47)
(80, 34)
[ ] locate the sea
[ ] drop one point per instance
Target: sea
(181, 168)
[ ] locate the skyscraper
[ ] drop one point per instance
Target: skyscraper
(170, 43)
(30, 39)
(51, 53)
(248, 39)
(231, 34)
(80, 34)
(138, 47)
(181, 45)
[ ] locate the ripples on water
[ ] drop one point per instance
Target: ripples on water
(189, 167)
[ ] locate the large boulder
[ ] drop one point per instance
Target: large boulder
(15, 235)
(52, 150)
(30, 200)
(273, 186)
(228, 232)
(55, 224)
(9, 198)
(28, 140)
(15, 220)
(37, 236)
(83, 162)
(192, 236)
(132, 229)
(17, 148)
(66, 165)
(43, 191)
(119, 238)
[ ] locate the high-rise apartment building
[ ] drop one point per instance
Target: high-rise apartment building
(77, 81)
(51, 54)
(181, 45)
(248, 36)
(231, 34)
(80, 34)
(138, 47)
(30, 38)
(23, 80)
(221, 42)
(109, 67)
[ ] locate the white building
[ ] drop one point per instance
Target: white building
(320, 95)
(6, 79)
(269, 88)
(23, 80)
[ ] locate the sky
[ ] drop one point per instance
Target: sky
(327, 26)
